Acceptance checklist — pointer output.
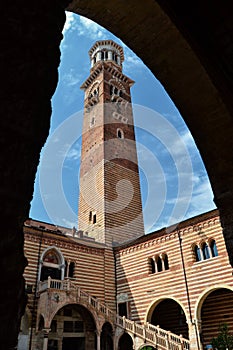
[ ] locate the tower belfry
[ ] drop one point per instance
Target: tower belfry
(110, 208)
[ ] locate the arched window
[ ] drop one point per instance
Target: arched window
(205, 250)
(52, 265)
(165, 259)
(151, 265)
(69, 269)
(111, 90)
(120, 134)
(213, 248)
(159, 264)
(197, 252)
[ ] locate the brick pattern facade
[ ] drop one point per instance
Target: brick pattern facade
(109, 177)
(188, 284)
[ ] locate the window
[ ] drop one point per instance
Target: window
(158, 263)
(120, 134)
(69, 269)
(151, 265)
(111, 90)
(205, 250)
(92, 217)
(165, 260)
(197, 252)
(51, 265)
(213, 248)
(122, 309)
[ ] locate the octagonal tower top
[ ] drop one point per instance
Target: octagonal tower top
(106, 50)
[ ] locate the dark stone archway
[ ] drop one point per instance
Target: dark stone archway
(188, 49)
(216, 310)
(125, 342)
(169, 315)
(106, 338)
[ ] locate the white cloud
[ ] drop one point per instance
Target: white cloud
(90, 29)
(69, 23)
(71, 78)
(131, 61)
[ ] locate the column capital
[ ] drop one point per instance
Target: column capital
(46, 332)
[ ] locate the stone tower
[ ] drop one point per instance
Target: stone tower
(110, 208)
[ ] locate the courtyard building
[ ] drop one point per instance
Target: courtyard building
(107, 285)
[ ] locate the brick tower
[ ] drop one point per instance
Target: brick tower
(110, 208)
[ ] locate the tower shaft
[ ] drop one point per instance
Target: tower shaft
(110, 206)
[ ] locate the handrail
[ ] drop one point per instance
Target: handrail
(154, 334)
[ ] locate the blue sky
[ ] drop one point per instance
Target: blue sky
(173, 179)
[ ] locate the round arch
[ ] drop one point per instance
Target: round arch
(154, 303)
(74, 326)
(106, 337)
(125, 342)
(215, 308)
(204, 295)
(170, 316)
(67, 304)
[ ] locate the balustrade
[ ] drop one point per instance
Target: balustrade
(161, 338)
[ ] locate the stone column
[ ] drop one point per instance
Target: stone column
(98, 340)
(98, 56)
(194, 336)
(110, 55)
(45, 341)
(30, 50)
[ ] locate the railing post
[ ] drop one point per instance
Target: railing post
(134, 327)
(144, 331)
(180, 346)
(49, 282)
(123, 318)
(168, 340)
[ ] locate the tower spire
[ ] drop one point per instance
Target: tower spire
(110, 206)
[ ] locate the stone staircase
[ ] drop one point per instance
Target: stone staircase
(154, 335)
